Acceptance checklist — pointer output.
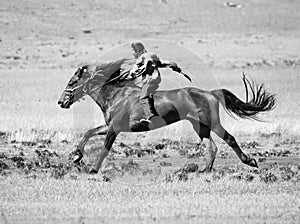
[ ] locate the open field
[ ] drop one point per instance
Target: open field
(148, 177)
(141, 184)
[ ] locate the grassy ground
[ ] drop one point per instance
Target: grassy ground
(155, 182)
(201, 199)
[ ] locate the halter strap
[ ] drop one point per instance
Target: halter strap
(73, 89)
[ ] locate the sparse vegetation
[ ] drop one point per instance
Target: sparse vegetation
(47, 185)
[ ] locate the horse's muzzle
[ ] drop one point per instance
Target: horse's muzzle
(66, 100)
(65, 105)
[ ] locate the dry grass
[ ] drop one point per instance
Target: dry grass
(49, 200)
(136, 186)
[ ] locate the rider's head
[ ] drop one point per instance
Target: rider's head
(138, 49)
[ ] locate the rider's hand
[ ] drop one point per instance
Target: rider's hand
(175, 67)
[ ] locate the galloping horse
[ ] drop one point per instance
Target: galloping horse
(119, 102)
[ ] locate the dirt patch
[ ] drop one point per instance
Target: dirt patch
(167, 160)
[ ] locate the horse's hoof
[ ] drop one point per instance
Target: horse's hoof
(205, 170)
(106, 178)
(202, 170)
(78, 156)
(252, 162)
(93, 171)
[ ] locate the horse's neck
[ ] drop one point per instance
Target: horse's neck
(106, 95)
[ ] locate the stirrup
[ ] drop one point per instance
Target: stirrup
(143, 120)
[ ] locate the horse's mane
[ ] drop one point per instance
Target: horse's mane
(112, 73)
(110, 69)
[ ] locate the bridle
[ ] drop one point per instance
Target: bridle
(71, 90)
(84, 85)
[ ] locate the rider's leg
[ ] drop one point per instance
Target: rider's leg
(149, 87)
(145, 103)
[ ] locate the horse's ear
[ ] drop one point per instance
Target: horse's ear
(80, 71)
(85, 68)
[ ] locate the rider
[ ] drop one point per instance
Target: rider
(146, 65)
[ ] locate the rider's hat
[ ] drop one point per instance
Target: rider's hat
(138, 47)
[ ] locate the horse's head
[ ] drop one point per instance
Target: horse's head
(78, 86)
(89, 78)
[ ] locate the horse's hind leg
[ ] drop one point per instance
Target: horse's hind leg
(203, 131)
(230, 140)
(212, 149)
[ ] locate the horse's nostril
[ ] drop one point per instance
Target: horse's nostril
(59, 102)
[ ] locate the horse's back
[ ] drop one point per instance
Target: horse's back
(171, 105)
(182, 95)
(186, 102)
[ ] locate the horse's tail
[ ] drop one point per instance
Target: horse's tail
(261, 101)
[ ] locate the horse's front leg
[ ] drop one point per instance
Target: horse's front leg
(109, 140)
(101, 130)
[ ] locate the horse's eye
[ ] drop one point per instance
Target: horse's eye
(73, 81)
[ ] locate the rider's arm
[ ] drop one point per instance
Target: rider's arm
(164, 63)
(138, 68)
(168, 64)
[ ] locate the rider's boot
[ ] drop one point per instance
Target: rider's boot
(148, 110)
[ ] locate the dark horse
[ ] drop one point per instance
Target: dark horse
(119, 102)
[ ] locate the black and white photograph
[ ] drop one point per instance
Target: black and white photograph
(158, 111)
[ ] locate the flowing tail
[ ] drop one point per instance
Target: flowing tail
(261, 100)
